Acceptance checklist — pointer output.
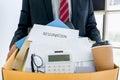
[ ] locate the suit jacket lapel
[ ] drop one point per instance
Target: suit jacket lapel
(48, 7)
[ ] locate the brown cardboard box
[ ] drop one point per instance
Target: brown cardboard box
(9, 74)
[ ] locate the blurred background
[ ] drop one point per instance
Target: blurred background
(107, 13)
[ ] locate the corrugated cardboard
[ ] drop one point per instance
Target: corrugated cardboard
(9, 74)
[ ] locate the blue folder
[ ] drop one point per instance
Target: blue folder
(55, 23)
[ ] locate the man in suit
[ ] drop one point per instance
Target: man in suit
(44, 11)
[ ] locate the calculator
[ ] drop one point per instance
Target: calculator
(59, 63)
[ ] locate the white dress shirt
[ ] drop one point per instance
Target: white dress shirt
(56, 6)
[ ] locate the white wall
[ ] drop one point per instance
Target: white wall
(9, 17)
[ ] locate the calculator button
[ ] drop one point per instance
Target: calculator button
(59, 68)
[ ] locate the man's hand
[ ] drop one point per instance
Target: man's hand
(13, 48)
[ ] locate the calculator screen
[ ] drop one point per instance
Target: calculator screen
(54, 58)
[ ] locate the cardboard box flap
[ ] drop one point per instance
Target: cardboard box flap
(17, 75)
(100, 75)
(106, 74)
(9, 63)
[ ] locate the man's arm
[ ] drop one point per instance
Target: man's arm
(23, 26)
(24, 23)
(92, 31)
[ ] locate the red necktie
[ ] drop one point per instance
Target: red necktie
(64, 11)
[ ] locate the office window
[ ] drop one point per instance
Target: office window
(99, 19)
(113, 28)
(116, 56)
(113, 4)
(108, 20)
(112, 22)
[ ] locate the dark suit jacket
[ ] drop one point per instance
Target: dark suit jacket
(40, 12)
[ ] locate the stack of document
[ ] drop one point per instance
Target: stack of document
(47, 39)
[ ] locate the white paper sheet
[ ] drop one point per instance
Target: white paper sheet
(40, 32)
